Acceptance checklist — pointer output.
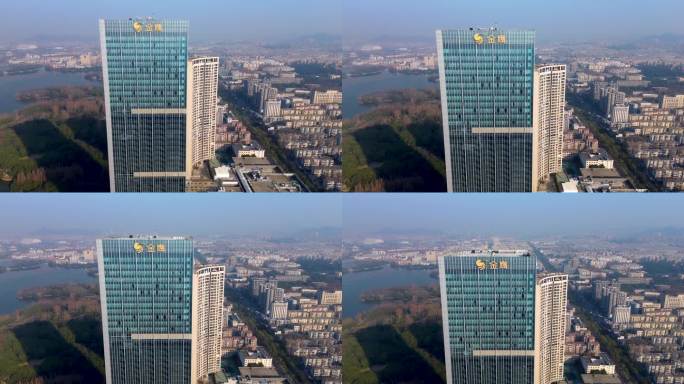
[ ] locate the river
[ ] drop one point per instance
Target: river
(356, 283)
(353, 87)
(13, 282)
(11, 85)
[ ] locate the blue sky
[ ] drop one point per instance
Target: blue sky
(227, 20)
(512, 214)
(566, 20)
(183, 214)
(555, 20)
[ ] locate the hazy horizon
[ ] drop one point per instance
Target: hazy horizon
(511, 214)
(554, 21)
(210, 20)
(168, 214)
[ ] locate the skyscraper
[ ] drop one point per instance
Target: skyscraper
(144, 65)
(488, 316)
(551, 309)
(207, 315)
(549, 109)
(486, 85)
(202, 96)
(146, 300)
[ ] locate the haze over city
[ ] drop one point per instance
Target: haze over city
(554, 21)
(514, 214)
(174, 214)
(211, 20)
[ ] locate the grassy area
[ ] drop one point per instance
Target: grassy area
(39, 343)
(55, 145)
(397, 146)
(630, 167)
(386, 353)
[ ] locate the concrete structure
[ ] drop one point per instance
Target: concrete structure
(249, 150)
(551, 301)
(331, 298)
(202, 101)
(486, 85)
(144, 68)
(146, 301)
(272, 108)
(621, 314)
(327, 97)
(673, 301)
(620, 114)
(279, 310)
(601, 364)
(207, 317)
(672, 102)
(549, 109)
(259, 357)
(598, 159)
(488, 316)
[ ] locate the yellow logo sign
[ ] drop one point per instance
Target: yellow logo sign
(149, 27)
(482, 265)
(479, 39)
(139, 248)
(151, 248)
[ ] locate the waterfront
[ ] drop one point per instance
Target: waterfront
(13, 282)
(354, 87)
(355, 284)
(11, 85)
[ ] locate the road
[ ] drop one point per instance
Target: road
(625, 163)
(290, 366)
(627, 369)
(277, 154)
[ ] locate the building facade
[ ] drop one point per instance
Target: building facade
(144, 73)
(146, 302)
(488, 316)
(202, 100)
(549, 109)
(551, 309)
(486, 85)
(207, 308)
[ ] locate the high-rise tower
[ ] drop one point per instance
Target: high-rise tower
(549, 108)
(488, 316)
(202, 96)
(146, 300)
(144, 66)
(207, 309)
(486, 85)
(551, 311)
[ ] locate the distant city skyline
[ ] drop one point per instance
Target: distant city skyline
(168, 214)
(559, 21)
(210, 20)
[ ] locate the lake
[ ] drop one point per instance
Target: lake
(353, 87)
(356, 283)
(11, 85)
(13, 282)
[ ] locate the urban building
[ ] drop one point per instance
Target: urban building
(549, 111)
(201, 117)
(207, 317)
(486, 85)
(144, 65)
(551, 309)
(488, 316)
(146, 301)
